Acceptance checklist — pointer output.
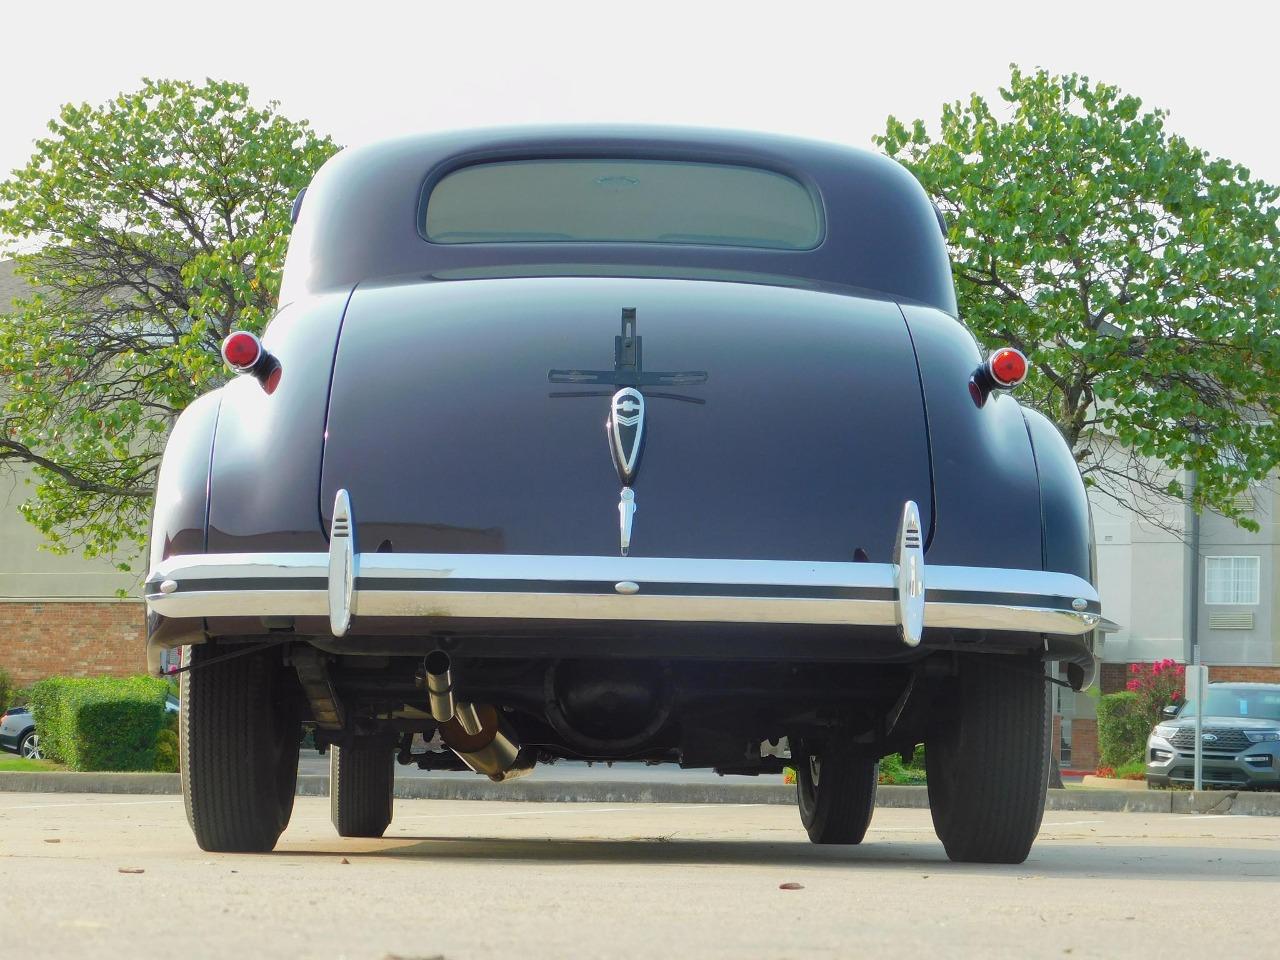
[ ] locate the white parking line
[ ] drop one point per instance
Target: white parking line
(1199, 817)
(88, 803)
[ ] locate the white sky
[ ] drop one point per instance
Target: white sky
(369, 69)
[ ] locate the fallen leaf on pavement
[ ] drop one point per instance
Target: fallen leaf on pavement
(791, 886)
(131, 870)
(344, 860)
(52, 840)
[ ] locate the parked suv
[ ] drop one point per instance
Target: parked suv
(1241, 736)
(18, 733)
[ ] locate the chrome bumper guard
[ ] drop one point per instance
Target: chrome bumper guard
(344, 583)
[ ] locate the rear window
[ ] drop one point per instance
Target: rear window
(622, 201)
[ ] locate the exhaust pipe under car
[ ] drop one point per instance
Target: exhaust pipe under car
(475, 732)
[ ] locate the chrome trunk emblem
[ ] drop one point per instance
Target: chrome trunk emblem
(626, 431)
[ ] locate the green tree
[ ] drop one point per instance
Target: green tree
(154, 224)
(1139, 275)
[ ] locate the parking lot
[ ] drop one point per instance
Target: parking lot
(120, 875)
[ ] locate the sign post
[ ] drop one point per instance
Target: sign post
(1197, 687)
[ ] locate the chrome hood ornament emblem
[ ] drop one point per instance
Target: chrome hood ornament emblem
(626, 431)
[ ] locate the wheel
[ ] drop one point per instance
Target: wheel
(987, 760)
(238, 727)
(29, 747)
(361, 787)
(836, 793)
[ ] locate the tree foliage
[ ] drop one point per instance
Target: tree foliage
(1139, 275)
(156, 223)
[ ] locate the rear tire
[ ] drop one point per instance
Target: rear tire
(238, 731)
(987, 760)
(836, 793)
(361, 788)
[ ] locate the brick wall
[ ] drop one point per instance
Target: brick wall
(100, 638)
(1245, 674)
(1115, 675)
(1084, 744)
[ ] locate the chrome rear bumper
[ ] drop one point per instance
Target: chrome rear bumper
(612, 588)
(344, 584)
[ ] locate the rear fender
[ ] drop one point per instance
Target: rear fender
(1064, 505)
(182, 487)
(179, 518)
(267, 452)
(986, 493)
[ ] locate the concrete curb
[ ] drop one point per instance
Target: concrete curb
(610, 791)
(66, 782)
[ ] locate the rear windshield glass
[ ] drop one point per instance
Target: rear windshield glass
(622, 201)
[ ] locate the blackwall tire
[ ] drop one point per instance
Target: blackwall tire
(836, 793)
(361, 788)
(238, 730)
(987, 760)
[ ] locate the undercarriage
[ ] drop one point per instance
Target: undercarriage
(501, 717)
(697, 713)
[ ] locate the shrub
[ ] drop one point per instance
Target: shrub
(1125, 719)
(6, 690)
(167, 751)
(1122, 729)
(1126, 771)
(1156, 685)
(894, 771)
(100, 723)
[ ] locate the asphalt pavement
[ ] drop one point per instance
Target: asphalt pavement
(115, 876)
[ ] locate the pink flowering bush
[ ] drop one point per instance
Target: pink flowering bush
(1125, 719)
(1157, 685)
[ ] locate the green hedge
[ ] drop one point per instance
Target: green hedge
(1122, 730)
(100, 723)
(893, 770)
(6, 690)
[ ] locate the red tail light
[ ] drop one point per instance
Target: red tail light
(1007, 367)
(241, 351)
(1003, 370)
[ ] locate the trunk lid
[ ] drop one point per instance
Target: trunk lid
(452, 434)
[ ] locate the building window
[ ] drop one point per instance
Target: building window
(1231, 580)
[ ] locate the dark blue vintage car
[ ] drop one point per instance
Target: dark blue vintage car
(618, 443)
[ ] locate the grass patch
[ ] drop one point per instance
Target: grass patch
(23, 764)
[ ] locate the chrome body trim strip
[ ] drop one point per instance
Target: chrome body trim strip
(908, 564)
(586, 588)
(344, 565)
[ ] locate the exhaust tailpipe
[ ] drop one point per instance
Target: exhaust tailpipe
(475, 732)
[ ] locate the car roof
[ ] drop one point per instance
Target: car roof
(361, 216)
